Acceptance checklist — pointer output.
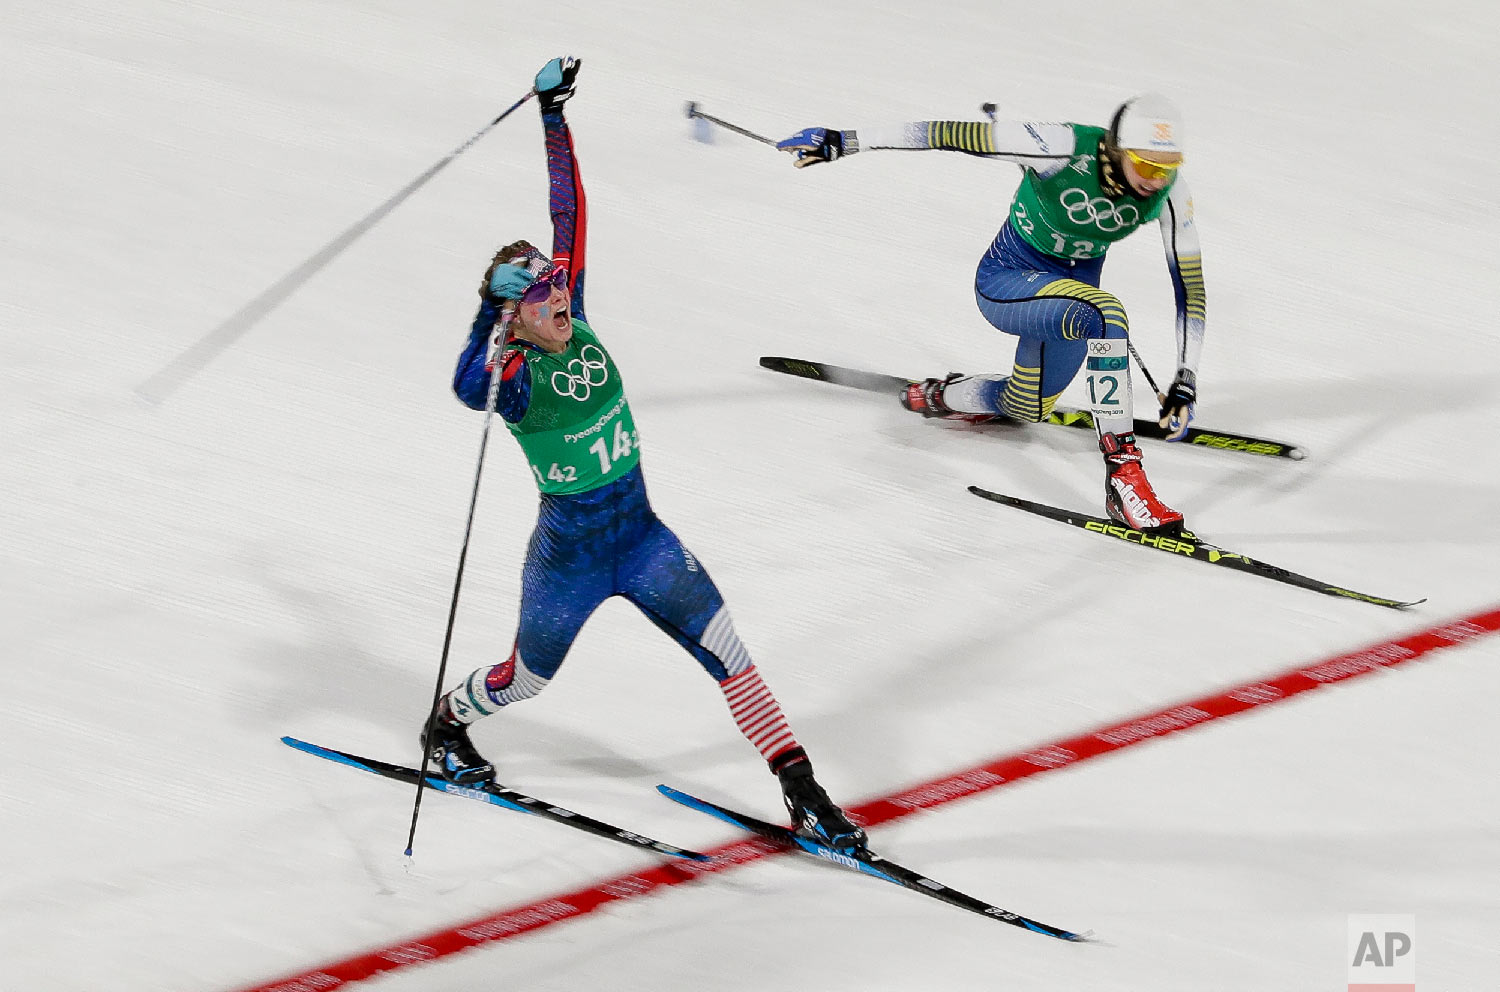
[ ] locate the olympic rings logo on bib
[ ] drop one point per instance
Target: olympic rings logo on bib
(579, 379)
(1098, 211)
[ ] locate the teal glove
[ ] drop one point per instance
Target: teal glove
(554, 83)
(509, 281)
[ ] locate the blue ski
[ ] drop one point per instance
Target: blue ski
(868, 863)
(495, 795)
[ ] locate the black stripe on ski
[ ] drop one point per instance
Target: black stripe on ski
(1188, 545)
(496, 795)
(878, 382)
(868, 863)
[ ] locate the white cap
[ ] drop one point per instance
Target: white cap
(1148, 123)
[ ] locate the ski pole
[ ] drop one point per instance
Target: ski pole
(694, 113)
(1145, 371)
(492, 361)
(163, 382)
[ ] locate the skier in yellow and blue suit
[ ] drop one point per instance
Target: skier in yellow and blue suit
(1082, 189)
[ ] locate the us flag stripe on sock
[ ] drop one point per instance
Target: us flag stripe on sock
(757, 713)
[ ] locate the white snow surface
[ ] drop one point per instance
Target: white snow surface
(271, 550)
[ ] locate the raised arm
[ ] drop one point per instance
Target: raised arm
(565, 196)
(1036, 144)
(471, 379)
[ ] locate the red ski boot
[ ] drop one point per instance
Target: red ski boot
(926, 398)
(1128, 495)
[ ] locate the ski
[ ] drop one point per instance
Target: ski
(878, 382)
(496, 795)
(1188, 545)
(868, 863)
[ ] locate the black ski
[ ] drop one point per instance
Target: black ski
(1189, 545)
(868, 863)
(878, 382)
(496, 795)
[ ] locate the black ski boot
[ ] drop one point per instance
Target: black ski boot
(453, 753)
(814, 815)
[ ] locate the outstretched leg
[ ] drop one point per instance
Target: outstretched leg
(557, 598)
(675, 592)
(1040, 372)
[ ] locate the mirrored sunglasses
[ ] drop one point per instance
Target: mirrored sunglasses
(541, 288)
(1148, 169)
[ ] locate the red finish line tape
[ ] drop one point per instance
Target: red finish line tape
(1002, 771)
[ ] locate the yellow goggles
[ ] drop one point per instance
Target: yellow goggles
(1152, 170)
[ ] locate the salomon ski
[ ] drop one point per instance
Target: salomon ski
(877, 382)
(496, 795)
(868, 863)
(1188, 545)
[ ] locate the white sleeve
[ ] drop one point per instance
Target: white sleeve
(1179, 234)
(1031, 143)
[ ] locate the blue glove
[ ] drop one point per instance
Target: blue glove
(813, 145)
(1177, 406)
(554, 83)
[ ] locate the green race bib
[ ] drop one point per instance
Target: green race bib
(1068, 215)
(578, 433)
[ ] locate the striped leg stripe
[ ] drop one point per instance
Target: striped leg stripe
(1075, 322)
(523, 685)
(723, 643)
(1019, 399)
(488, 689)
(757, 713)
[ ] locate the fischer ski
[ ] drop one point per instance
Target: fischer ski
(878, 382)
(868, 863)
(1189, 545)
(496, 795)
